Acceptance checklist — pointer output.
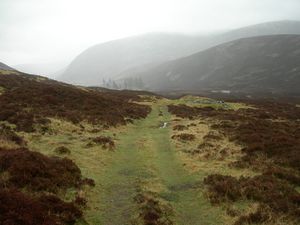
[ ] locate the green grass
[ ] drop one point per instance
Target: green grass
(145, 158)
(2, 89)
(146, 155)
(195, 101)
(6, 72)
(185, 189)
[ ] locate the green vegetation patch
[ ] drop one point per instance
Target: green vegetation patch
(195, 101)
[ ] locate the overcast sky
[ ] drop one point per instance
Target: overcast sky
(43, 31)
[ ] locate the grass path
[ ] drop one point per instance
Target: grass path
(145, 161)
(145, 153)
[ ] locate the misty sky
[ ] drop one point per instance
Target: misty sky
(43, 31)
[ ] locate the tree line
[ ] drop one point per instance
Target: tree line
(135, 83)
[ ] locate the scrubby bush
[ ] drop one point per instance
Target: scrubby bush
(261, 215)
(180, 127)
(62, 150)
(267, 190)
(184, 137)
(7, 134)
(212, 136)
(269, 133)
(27, 101)
(38, 172)
(18, 208)
(105, 142)
(270, 130)
(88, 181)
(153, 211)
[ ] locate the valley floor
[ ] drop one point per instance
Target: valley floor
(88, 156)
(146, 161)
(151, 177)
(145, 164)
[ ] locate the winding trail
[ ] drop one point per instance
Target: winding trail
(146, 153)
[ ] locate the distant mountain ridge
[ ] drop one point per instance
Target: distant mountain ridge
(109, 59)
(262, 29)
(257, 64)
(5, 67)
(124, 57)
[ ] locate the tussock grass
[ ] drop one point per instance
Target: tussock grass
(253, 158)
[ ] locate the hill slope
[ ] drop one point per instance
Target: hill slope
(190, 161)
(26, 100)
(109, 59)
(262, 29)
(5, 67)
(121, 58)
(33, 107)
(258, 64)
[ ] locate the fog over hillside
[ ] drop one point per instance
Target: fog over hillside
(149, 112)
(5, 67)
(51, 70)
(124, 59)
(108, 60)
(46, 36)
(254, 65)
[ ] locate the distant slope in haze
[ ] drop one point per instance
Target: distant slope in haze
(109, 59)
(121, 58)
(257, 64)
(5, 67)
(45, 69)
(262, 29)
